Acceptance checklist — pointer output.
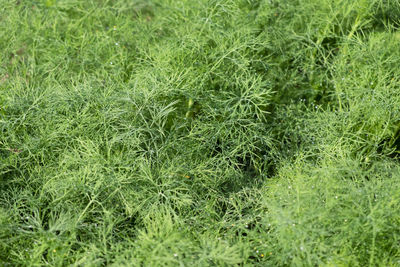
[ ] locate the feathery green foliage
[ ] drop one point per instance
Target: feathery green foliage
(205, 133)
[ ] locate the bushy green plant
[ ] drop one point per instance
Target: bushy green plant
(206, 133)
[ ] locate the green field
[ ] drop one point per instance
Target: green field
(200, 133)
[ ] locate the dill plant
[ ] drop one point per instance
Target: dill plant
(234, 132)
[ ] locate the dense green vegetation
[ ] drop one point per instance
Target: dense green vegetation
(200, 132)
